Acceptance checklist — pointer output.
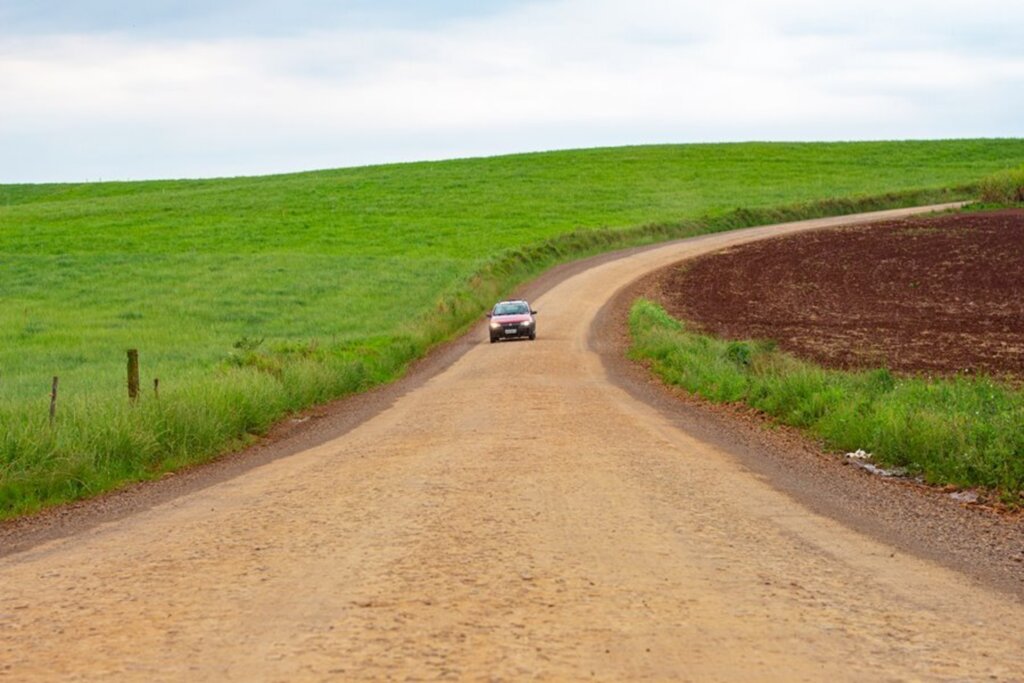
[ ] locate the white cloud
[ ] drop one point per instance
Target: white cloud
(558, 74)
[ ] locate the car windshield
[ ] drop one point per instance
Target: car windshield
(513, 308)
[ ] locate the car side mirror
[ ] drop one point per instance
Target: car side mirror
(488, 315)
(532, 312)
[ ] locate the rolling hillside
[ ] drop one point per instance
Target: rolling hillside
(251, 297)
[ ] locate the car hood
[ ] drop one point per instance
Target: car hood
(504, 319)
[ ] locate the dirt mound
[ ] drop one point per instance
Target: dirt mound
(937, 295)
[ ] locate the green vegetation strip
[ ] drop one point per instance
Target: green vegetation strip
(957, 431)
(251, 298)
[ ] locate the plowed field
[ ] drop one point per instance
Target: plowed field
(939, 295)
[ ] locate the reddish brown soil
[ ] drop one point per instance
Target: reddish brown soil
(937, 295)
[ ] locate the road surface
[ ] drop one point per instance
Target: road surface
(516, 516)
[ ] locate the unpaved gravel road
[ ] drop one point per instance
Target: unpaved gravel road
(516, 516)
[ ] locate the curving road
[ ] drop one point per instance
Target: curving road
(516, 516)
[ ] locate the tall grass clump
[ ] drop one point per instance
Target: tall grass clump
(98, 443)
(1005, 187)
(961, 431)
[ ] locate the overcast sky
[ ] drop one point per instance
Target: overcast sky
(118, 89)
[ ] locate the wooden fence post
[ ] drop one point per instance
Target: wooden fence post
(133, 374)
(53, 400)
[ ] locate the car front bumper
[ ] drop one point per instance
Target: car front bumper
(515, 331)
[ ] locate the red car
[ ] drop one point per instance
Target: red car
(512, 320)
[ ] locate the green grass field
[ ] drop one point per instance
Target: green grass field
(961, 431)
(344, 275)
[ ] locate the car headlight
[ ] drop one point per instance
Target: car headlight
(526, 323)
(495, 326)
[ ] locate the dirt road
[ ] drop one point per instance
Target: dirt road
(517, 516)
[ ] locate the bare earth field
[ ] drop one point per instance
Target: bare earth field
(938, 295)
(517, 512)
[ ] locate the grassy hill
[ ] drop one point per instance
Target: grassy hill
(251, 297)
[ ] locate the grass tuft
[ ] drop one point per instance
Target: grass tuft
(1004, 188)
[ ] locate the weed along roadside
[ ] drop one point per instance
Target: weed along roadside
(313, 326)
(963, 432)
